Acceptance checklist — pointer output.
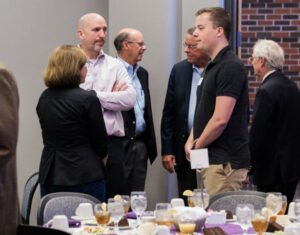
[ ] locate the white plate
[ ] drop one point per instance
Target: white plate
(76, 217)
(132, 224)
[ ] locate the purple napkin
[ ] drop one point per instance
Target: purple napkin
(131, 215)
(230, 228)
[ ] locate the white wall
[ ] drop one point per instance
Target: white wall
(31, 29)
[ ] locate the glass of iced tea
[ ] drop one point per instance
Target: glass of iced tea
(101, 214)
(186, 225)
(283, 206)
(259, 224)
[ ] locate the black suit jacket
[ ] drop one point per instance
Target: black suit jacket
(129, 118)
(174, 123)
(74, 136)
(275, 132)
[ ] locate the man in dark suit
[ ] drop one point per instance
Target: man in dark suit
(9, 123)
(127, 164)
(178, 112)
(274, 135)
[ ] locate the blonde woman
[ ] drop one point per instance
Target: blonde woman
(73, 130)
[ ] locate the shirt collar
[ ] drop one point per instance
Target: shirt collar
(129, 67)
(268, 73)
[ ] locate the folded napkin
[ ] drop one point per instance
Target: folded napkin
(230, 228)
(72, 223)
(131, 215)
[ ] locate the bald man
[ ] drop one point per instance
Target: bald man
(108, 77)
(128, 172)
(105, 75)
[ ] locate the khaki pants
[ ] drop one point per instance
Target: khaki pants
(221, 178)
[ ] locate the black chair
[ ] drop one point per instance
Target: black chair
(38, 230)
(29, 189)
(229, 200)
(62, 203)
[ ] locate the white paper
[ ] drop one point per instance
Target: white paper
(199, 158)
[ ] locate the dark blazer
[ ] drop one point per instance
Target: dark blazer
(129, 118)
(74, 136)
(275, 132)
(174, 123)
(9, 125)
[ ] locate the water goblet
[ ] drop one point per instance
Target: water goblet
(101, 214)
(163, 215)
(244, 214)
(274, 202)
(201, 198)
(116, 210)
(297, 209)
(138, 201)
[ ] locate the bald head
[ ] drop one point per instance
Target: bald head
(85, 19)
(91, 31)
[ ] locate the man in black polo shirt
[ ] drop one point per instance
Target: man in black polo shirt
(221, 115)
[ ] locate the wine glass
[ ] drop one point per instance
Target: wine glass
(297, 209)
(101, 214)
(163, 215)
(274, 202)
(259, 224)
(244, 213)
(283, 205)
(138, 201)
(201, 198)
(116, 210)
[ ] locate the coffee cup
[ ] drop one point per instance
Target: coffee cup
(84, 210)
(60, 222)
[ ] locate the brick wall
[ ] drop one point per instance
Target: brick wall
(278, 20)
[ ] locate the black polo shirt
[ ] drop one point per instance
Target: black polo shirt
(225, 76)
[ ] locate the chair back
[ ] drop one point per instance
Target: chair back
(61, 203)
(38, 230)
(229, 200)
(29, 189)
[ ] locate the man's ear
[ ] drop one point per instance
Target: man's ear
(79, 33)
(220, 31)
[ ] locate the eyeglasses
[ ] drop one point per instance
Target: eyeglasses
(250, 59)
(189, 46)
(141, 44)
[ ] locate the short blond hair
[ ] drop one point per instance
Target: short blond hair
(64, 66)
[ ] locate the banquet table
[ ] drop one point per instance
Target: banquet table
(231, 228)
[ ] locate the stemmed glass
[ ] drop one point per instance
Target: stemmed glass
(116, 210)
(297, 209)
(244, 213)
(138, 201)
(163, 215)
(259, 224)
(201, 198)
(274, 202)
